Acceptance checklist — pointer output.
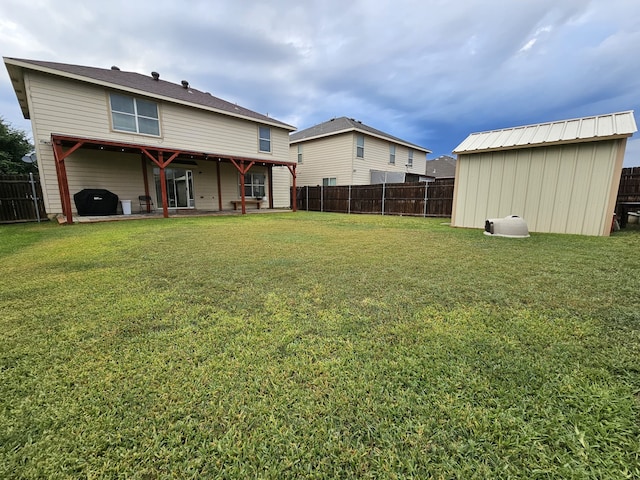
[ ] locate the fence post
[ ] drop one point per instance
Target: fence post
(426, 188)
(322, 198)
(307, 187)
(349, 207)
(34, 195)
(383, 192)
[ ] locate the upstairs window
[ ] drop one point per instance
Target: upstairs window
(264, 139)
(410, 159)
(392, 154)
(360, 146)
(299, 153)
(134, 115)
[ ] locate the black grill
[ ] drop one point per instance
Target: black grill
(96, 202)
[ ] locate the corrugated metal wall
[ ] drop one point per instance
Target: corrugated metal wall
(561, 189)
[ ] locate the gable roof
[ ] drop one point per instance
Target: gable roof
(340, 125)
(601, 127)
(443, 166)
(131, 82)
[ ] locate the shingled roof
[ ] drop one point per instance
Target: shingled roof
(134, 83)
(341, 125)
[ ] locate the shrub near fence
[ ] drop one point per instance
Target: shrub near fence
(21, 199)
(432, 199)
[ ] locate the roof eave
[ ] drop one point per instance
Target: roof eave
(544, 144)
(322, 135)
(16, 76)
(24, 65)
(364, 132)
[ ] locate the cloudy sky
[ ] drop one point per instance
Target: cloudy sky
(427, 71)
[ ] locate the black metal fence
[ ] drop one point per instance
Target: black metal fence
(432, 199)
(21, 199)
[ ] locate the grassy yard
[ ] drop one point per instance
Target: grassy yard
(313, 345)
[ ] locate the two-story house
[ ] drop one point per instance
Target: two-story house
(345, 151)
(139, 135)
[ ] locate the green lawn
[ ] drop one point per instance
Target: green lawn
(309, 345)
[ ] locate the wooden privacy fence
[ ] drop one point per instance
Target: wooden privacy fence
(629, 190)
(628, 194)
(21, 199)
(432, 199)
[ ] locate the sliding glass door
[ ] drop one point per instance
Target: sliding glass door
(179, 187)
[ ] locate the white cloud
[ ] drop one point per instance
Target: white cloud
(430, 70)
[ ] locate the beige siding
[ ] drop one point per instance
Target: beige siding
(66, 107)
(325, 157)
(116, 173)
(335, 156)
(281, 187)
(561, 189)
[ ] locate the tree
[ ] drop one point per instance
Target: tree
(14, 144)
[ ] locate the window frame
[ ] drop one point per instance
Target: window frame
(329, 181)
(261, 139)
(135, 115)
(359, 148)
(392, 154)
(256, 182)
(410, 158)
(299, 153)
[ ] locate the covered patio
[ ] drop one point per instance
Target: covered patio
(64, 146)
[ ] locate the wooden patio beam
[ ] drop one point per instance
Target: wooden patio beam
(294, 197)
(243, 170)
(59, 156)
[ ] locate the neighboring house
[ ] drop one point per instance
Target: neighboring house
(560, 177)
(135, 134)
(442, 167)
(344, 151)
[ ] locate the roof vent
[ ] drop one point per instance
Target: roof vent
(185, 84)
(155, 75)
(115, 68)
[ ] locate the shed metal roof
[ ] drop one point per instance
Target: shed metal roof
(341, 125)
(601, 127)
(131, 82)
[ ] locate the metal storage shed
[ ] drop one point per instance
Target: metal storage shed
(561, 177)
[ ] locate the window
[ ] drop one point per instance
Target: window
(392, 154)
(329, 182)
(410, 160)
(254, 185)
(134, 115)
(360, 146)
(264, 138)
(299, 153)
